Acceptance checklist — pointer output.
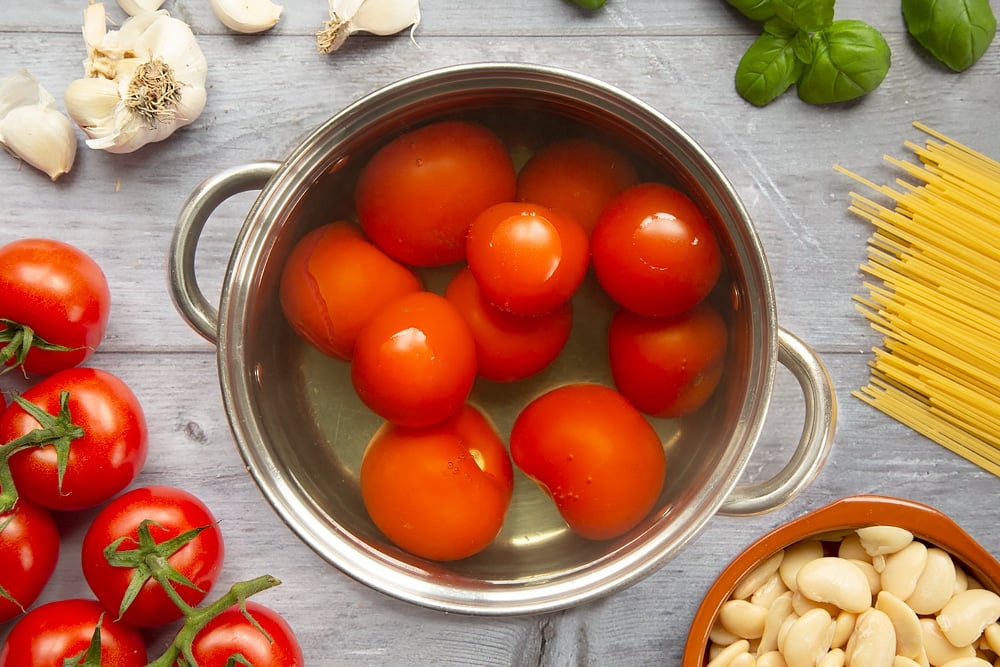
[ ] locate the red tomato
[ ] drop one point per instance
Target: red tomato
(508, 347)
(418, 194)
(171, 512)
(29, 551)
(654, 251)
(415, 361)
(334, 281)
(439, 492)
(57, 631)
(576, 176)
(60, 294)
(105, 460)
(526, 258)
(231, 633)
(668, 366)
(595, 455)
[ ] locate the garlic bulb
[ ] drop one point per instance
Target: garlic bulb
(31, 127)
(143, 81)
(379, 17)
(247, 16)
(136, 7)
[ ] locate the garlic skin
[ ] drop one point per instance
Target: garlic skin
(136, 7)
(247, 16)
(32, 129)
(378, 17)
(143, 81)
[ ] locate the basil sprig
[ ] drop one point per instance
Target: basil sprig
(956, 32)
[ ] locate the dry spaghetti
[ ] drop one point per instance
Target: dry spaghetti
(933, 269)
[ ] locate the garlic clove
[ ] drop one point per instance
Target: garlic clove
(41, 136)
(247, 16)
(378, 17)
(136, 7)
(90, 102)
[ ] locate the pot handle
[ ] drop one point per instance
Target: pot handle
(188, 297)
(814, 444)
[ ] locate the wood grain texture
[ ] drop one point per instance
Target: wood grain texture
(268, 91)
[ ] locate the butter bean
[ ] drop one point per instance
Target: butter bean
(909, 637)
(779, 610)
(725, 657)
(903, 568)
(801, 604)
(835, 658)
(843, 629)
(874, 577)
(771, 659)
(992, 636)
(758, 576)
(837, 581)
(961, 581)
(744, 660)
(785, 628)
(900, 661)
(808, 639)
(882, 540)
(939, 650)
(967, 614)
(873, 643)
(719, 635)
(851, 549)
(769, 591)
(967, 662)
(742, 618)
(936, 583)
(796, 556)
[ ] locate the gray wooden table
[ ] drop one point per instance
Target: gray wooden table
(266, 92)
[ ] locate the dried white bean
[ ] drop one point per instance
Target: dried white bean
(939, 649)
(758, 576)
(769, 591)
(742, 618)
(843, 628)
(808, 639)
(726, 656)
(936, 584)
(837, 581)
(796, 556)
(882, 540)
(903, 569)
(873, 643)
(779, 610)
(835, 658)
(967, 614)
(909, 637)
(771, 659)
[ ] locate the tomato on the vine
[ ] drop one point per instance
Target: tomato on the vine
(527, 259)
(417, 195)
(164, 513)
(270, 642)
(334, 281)
(654, 252)
(668, 366)
(578, 176)
(29, 551)
(415, 361)
(54, 305)
(508, 347)
(105, 460)
(594, 454)
(58, 631)
(439, 492)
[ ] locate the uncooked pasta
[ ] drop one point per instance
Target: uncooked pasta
(932, 276)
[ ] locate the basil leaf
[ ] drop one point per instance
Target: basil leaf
(767, 69)
(806, 15)
(850, 59)
(956, 32)
(780, 28)
(757, 10)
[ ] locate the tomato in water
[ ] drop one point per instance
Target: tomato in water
(57, 631)
(105, 460)
(654, 252)
(594, 454)
(527, 259)
(418, 194)
(508, 347)
(60, 294)
(439, 492)
(415, 361)
(577, 176)
(231, 633)
(29, 551)
(334, 281)
(668, 366)
(171, 512)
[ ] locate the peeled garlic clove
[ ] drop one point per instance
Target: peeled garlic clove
(378, 17)
(136, 7)
(41, 136)
(247, 16)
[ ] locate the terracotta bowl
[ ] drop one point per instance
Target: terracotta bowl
(926, 523)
